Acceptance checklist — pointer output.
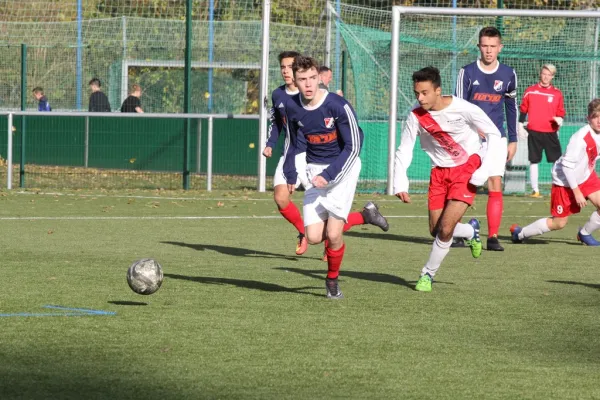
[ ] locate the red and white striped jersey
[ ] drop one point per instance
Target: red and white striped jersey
(449, 137)
(579, 160)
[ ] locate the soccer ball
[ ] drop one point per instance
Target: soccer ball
(145, 276)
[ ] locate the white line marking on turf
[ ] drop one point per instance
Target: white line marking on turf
(116, 218)
(507, 199)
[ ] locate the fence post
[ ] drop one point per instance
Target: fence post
(187, 94)
(209, 151)
(9, 152)
(23, 108)
(198, 145)
(344, 66)
(86, 152)
(264, 97)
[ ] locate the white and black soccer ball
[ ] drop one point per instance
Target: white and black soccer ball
(145, 276)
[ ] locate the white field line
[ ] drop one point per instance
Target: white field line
(507, 199)
(158, 218)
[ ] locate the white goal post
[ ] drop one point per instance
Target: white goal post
(398, 12)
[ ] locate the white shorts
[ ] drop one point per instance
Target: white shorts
(330, 201)
(279, 177)
(498, 165)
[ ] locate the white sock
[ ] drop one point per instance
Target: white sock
(437, 255)
(464, 231)
(537, 228)
(533, 175)
(592, 225)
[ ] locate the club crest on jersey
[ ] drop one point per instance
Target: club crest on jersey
(329, 122)
(498, 85)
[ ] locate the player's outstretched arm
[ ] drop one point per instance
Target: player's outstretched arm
(510, 108)
(289, 154)
(352, 136)
(463, 85)
(404, 155)
(404, 197)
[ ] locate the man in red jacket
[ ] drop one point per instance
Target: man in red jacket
(545, 106)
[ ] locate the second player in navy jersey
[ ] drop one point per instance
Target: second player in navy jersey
(492, 86)
(281, 195)
(333, 143)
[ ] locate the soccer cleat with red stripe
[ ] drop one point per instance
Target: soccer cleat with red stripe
(333, 289)
(587, 240)
(302, 244)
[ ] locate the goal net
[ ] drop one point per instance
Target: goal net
(569, 40)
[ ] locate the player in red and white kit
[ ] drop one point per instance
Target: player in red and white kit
(448, 130)
(545, 106)
(574, 181)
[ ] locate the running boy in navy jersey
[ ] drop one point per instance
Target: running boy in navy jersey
(333, 143)
(492, 86)
(281, 195)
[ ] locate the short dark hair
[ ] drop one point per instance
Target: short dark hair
(323, 68)
(304, 63)
(95, 81)
(287, 54)
(490, 31)
(593, 108)
(38, 89)
(428, 74)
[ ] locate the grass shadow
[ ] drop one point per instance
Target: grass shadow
(389, 236)
(589, 285)
(367, 276)
(232, 251)
(127, 303)
(541, 241)
(246, 284)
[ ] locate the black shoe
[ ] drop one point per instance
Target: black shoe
(333, 290)
(372, 216)
(458, 242)
(493, 244)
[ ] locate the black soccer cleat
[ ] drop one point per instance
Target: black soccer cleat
(333, 289)
(493, 244)
(372, 216)
(458, 242)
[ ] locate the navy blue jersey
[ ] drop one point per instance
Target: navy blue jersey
(278, 97)
(44, 104)
(494, 92)
(331, 134)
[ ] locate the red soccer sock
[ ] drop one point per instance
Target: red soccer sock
(354, 218)
(334, 261)
(494, 212)
(292, 214)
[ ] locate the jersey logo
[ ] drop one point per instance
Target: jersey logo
(476, 82)
(280, 105)
(329, 122)
(487, 97)
(498, 85)
(444, 139)
(322, 138)
(550, 99)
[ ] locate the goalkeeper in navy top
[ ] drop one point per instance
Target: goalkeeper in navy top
(43, 104)
(492, 86)
(333, 143)
(281, 195)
